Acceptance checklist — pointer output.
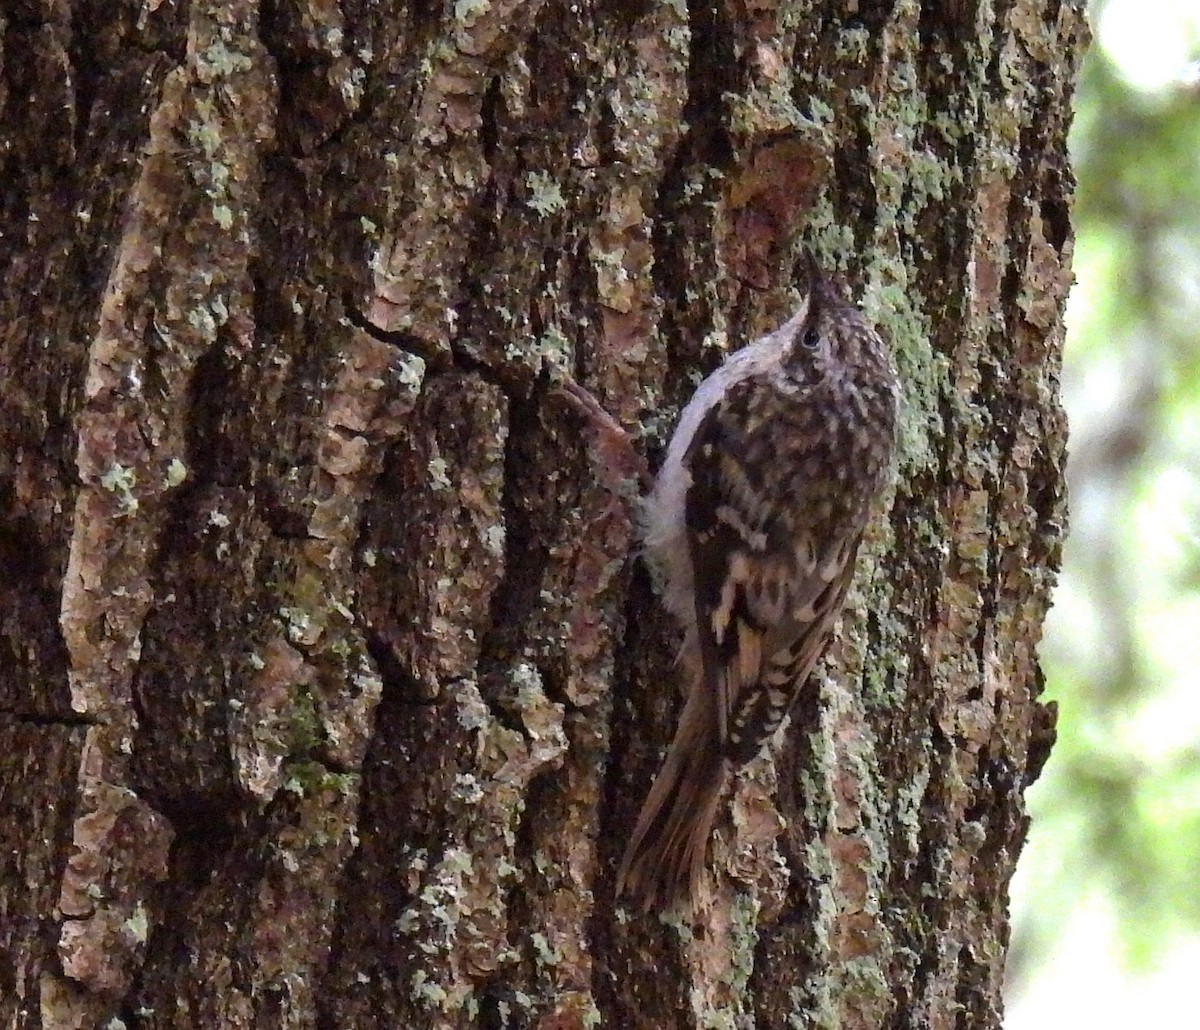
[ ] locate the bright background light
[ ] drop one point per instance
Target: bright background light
(1150, 41)
(1106, 901)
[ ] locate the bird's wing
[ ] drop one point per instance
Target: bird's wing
(767, 588)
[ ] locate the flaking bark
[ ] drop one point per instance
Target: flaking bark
(329, 691)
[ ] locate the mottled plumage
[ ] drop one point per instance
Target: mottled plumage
(754, 523)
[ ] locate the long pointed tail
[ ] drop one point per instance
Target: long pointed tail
(665, 856)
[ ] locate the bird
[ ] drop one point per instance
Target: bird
(753, 524)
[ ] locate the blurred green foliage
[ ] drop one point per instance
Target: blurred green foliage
(1116, 816)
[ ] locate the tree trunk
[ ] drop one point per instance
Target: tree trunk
(330, 692)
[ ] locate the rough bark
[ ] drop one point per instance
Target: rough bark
(329, 694)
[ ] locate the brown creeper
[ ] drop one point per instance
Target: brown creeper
(754, 523)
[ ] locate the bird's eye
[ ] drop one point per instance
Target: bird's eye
(810, 337)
